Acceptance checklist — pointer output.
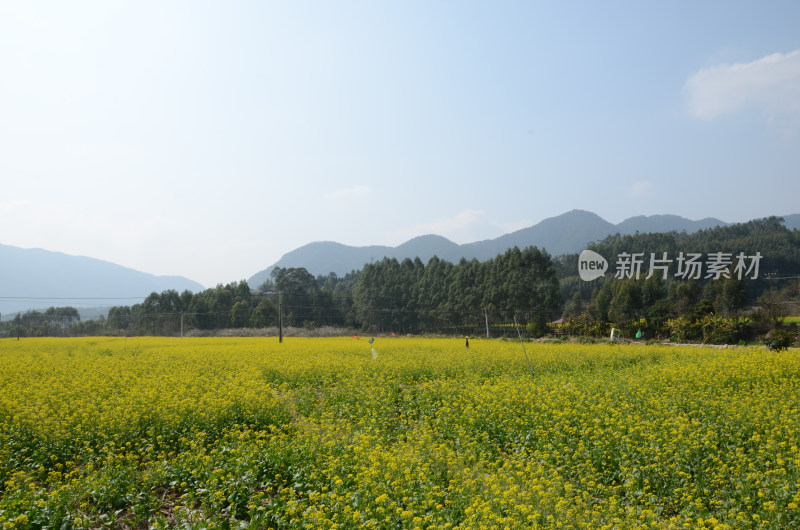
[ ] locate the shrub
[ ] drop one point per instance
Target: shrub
(721, 330)
(778, 339)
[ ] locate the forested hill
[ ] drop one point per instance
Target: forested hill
(519, 285)
(777, 245)
(563, 234)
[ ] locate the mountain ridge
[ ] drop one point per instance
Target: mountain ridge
(34, 278)
(567, 233)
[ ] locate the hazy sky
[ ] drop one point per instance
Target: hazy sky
(207, 139)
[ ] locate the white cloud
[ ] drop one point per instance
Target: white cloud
(641, 189)
(354, 192)
(771, 84)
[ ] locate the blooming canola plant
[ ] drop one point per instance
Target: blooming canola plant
(319, 433)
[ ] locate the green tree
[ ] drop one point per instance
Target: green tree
(626, 309)
(119, 317)
(297, 291)
(222, 300)
(733, 297)
(432, 297)
(200, 312)
(240, 314)
(601, 301)
(150, 312)
(265, 314)
(61, 318)
(170, 307)
(241, 292)
(575, 307)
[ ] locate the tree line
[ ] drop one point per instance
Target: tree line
(405, 296)
(720, 308)
(54, 321)
(525, 286)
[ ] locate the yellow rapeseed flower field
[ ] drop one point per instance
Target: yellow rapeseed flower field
(322, 433)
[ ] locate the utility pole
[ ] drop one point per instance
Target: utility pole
(486, 315)
(181, 325)
(280, 320)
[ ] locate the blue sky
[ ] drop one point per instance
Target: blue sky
(208, 139)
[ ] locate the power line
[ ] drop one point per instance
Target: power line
(24, 298)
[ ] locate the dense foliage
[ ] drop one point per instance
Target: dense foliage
(53, 321)
(725, 309)
(387, 295)
(410, 296)
(322, 433)
(525, 286)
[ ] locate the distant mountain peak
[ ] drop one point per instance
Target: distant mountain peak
(429, 237)
(658, 223)
(567, 233)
